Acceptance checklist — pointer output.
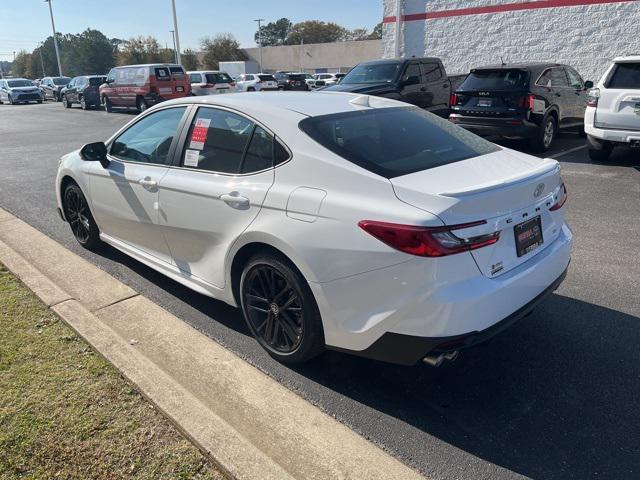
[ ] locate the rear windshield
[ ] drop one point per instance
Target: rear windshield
(495, 80)
(19, 83)
(96, 81)
(395, 141)
(221, 77)
(372, 73)
(625, 75)
(61, 80)
(177, 72)
(162, 73)
(267, 78)
(297, 76)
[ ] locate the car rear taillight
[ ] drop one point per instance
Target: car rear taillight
(527, 101)
(453, 100)
(428, 241)
(561, 200)
(232, 84)
(208, 85)
(593, 96)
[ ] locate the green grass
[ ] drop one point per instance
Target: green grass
(66, 413)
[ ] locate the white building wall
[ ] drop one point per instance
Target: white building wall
(587, 37)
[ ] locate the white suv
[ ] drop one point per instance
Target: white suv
(613, 109)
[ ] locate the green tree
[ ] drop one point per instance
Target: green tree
(221, 48)
(315, 31)
(274, 33)
(376, 34)
(22, 65)
(356, 34)
(189, 60)
(138, 50)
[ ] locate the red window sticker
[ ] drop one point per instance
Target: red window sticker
(199, 133)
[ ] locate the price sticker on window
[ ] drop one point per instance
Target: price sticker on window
(199, 133)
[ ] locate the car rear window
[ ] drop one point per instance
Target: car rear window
(96, 81)
(296, 77)
(162, 73)
(218, 78)
(495, 80)
(61, 80)
(177, 72)
(395, 141)
(267, 78)
(625, 75)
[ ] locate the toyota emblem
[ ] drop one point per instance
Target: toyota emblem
(538, 191)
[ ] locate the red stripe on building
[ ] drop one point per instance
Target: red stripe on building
(507, 7)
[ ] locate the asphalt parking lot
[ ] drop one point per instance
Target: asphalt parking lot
(555, 396)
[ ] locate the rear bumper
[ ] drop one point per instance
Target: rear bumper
(615, 136)
(401, 313)
(490, 127)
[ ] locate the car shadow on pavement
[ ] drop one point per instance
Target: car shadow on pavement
(554, 396)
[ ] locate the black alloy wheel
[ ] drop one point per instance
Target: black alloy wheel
(280, 310)
(77, 213)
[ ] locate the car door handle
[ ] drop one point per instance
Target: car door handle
(235, 200)
(148, 183)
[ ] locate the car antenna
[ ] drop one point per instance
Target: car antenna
(362, 100)
(502, 62)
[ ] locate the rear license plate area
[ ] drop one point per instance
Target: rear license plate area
(179, 89)
(485, 102)
(528, 236)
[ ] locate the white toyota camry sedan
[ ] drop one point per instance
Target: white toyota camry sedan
(332, 220)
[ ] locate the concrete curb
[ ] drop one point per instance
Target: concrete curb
(250, 425)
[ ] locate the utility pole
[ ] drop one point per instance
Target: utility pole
(14, 55)
(175, 52)
(398, 27)
(55, 40)
(260, 40)
(301, 52)
(41, 46)
(175, 28)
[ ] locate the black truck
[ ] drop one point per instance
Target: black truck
(419, 81)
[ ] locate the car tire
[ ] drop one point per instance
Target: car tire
(57, 97)
(39, 101)
(280, 310)
(599, 150)
(77, 213)
(65, 102)
(251, 89)
(106, 103)
(83, 104)
(141, 105)
(546, 134)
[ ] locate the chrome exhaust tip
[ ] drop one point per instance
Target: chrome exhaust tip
(437, 360)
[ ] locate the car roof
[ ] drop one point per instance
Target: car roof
(522, 66)
(399, 60)
(304, 103)
(150, 65)
(627, 58)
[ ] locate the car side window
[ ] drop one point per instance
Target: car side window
(149, 140)
(217, 141)
(413, 70)
(431, 72)
(195, 78)
(111, 76)
(559, 78)
(575, 80)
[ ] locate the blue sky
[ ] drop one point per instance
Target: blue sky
(23, 23)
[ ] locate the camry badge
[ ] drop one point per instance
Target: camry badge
(538, 191)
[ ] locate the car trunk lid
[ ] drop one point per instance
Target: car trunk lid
(504, 188)
(619, 103)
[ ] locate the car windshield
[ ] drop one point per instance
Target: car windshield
(395, 141)
(626, 75)
(221, 77)
(296, 76)
(372, 73)
(19, 83)
(495, 80)
(61, 80)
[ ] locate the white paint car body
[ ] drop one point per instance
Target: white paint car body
(613, 109)
(211, 82)
(373, 299)
(256, 82)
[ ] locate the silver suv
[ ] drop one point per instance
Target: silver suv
(613, 109)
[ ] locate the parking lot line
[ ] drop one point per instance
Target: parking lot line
(567, 152)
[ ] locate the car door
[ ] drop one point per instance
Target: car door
(436, 88)
(579, 104)
(562, 94)
(3, 93)
(223, 174)
(70, 91)
(411, 88)
(124, 195)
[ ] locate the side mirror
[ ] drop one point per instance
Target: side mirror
(108, 81)
(588, 85)
(413, 80)
(95, 152)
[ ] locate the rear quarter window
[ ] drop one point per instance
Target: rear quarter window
(395, 141)
(625, 75)
(162, 73)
